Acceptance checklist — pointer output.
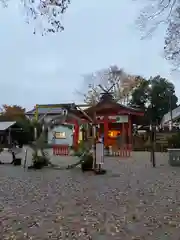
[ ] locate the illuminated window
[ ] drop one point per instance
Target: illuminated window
(113, 133)
(60, 135)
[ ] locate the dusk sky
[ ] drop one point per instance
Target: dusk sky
(36, 69)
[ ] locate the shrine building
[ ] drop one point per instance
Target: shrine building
(114, 120)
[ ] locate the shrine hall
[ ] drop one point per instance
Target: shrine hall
(114, 121)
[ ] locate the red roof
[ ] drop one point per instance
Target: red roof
(109, 106)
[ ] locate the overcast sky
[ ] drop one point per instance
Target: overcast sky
(36, 69)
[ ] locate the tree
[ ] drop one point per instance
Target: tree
(122, 83)
(165, 12)
(155, 97)
(48, 12)
(17, 113)
(13, 112)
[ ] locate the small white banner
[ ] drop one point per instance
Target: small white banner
(99, 153)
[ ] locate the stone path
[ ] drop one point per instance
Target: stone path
(132, 201)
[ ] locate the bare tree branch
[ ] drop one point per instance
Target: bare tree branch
(47, 14)
(165, 12)
(121, 83)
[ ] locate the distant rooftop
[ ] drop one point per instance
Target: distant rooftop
(53, 109)
(56, 108)
(45, 110)
(6, 125)
(175, 115)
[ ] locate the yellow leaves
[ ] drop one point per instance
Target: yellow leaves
(13, 112)
(14, 109)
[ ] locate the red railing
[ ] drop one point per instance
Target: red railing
(61, 150)
(124, 152)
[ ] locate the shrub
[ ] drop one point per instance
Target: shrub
(87, 162)
(39, 161)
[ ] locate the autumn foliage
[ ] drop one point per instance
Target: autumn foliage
(123, 85)
(17, 113)
(12, 112)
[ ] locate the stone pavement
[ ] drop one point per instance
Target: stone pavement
(132, 201)
(6, 157)
(62, 161)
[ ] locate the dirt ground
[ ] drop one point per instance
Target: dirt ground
(132, 201)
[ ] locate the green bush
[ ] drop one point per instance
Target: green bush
(87, 162)
(81, 149)
(84, 146)
(39, 161)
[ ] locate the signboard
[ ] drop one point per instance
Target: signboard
(162, 138)
(59, 135)
(119, 118)
(99, 153)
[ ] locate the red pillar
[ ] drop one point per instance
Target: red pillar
(130, 129)
(76, 135)
(106, 129)
(123, 133)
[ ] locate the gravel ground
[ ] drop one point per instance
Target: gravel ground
(132, 201)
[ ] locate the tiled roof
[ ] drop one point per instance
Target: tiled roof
(113, 105)
(48, 110)
(51, 109)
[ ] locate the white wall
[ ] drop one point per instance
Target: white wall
(68, 133)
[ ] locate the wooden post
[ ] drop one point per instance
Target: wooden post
(25, 158)
(9, 137)
(36, 119)
(76, 135)
(36, 112)
(94, 135)
(153, 160)
(94, 145)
